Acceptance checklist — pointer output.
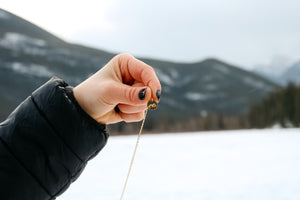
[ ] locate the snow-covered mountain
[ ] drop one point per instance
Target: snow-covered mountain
(280, 73)
(29, 56)
(292, 74)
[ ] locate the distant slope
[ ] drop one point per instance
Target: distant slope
(292, 74)
(267, 74)
(281, 76)
(14, 24)
(29, 56)
(210, 86)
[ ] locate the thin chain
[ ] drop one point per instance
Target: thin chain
(133, 156)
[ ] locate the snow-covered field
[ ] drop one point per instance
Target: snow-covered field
(237, 165)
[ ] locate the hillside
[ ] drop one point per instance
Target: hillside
(280, 74)
(29, 56)
(292, 74)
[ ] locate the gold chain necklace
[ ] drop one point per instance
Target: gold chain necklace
(152, 105)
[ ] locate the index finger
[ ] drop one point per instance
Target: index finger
(132, 68)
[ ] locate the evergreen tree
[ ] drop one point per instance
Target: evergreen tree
(281, 107)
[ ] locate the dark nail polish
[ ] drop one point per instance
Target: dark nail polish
(117, 110)
(142, 94)
(158, 93)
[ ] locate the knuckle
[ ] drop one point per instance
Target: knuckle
(130, 94)
(149, 69)
(147, 73)
(123, 59)
(123, 56)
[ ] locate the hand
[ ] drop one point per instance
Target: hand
(124, 82)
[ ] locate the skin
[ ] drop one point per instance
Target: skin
(118, 83)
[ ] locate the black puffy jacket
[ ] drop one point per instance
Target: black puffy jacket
(45, 144)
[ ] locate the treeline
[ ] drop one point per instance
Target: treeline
(280, 107)
(164, 124)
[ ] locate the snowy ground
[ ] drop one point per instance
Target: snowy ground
(227, 165)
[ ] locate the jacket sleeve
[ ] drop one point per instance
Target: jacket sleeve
(45, 144)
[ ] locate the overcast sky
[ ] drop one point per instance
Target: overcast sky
(246, 33)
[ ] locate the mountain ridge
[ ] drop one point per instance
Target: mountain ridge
(189, 89)
(287, 73)
(292, 74)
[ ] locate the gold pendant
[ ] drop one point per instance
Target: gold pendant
(152, 105)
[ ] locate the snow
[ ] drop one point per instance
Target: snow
(31, 69)
(196, 96)
(211, 86)
(17, 39)
(207, 78)
(171, 102)
(254, 82)
(227, 165)
(174, 73)
(185, 80)
(19, 42)
(164, 77)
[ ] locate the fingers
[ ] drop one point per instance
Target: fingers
(128, 109)
(132, 68)
(133, 117)
(114, 117)
(118, 93)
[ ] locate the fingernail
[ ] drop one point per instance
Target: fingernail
(142, 94)
(117, 110)
(158, 93)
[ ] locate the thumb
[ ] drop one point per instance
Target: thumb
(130, 95)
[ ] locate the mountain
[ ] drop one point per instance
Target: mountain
(268, 73)
(280, 73)
(292, 74)
(29, 56)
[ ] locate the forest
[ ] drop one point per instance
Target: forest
(280, 107)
